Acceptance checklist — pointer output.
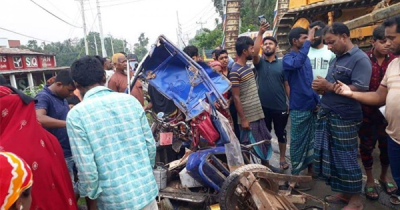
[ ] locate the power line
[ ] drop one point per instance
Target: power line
(194, 17)
(195, 26)
(94, 18)
(111, 5)
(59, 9)
(24, 35)
(122, 3)
(55, 15)
(101, 1)
(71, 31)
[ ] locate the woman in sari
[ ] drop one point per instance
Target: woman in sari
(23, 135)
(16, 181)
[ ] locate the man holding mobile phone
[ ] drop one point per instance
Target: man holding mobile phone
(339, 118)
(302, 99)
(319, 54)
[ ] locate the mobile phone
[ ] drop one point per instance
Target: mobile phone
(262, 19)
(318, 33)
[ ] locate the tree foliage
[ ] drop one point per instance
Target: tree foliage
(208, 39)
(140, 48)
(249, 12)
(71, 49)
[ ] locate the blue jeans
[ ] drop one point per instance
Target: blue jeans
(71, 166)
(394, 159)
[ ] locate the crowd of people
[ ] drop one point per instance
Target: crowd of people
(80, 137)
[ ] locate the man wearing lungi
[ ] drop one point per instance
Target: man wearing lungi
(302, 100)
(388, 92)
(340, 117)
(247, 101)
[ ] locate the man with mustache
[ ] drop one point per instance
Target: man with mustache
(374, 124)
(272, 89)
(247, 101)
(387, 93)
(339, 118)
(319, 54)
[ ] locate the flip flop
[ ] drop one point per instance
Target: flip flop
(283, 164)
(336, 199)
(387, 185)
(369, 190)
(395, 199)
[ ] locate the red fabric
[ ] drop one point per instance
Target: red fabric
(378, 72)
(22, 134)
(203, 126)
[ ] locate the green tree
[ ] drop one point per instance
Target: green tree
(71, 49)
(208, 39)
(32, 44)
(250, 11)
(140, 48)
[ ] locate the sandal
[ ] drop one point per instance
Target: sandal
(395, 199)
(388, 185)
(284, 165)
(371, 190)
(336, 199)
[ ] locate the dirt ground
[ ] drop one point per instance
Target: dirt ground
(320, 189)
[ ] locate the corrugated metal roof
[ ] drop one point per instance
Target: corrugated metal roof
(18, 51)
(25, 71)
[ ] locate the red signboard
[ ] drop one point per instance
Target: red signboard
(3, 62)
(17, 61)
(47, 61)
(26, 61)
(31, 61)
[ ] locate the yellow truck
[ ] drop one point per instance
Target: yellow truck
(361, 16)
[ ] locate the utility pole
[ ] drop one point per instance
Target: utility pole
(103, 49)
(95, 44)
(112, 46)
(84, 27)
(187, 38)
(178, 39)
(201, 24)
(179, 32)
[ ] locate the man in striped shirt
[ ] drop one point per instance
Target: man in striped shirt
(247, 101)
(112, 144)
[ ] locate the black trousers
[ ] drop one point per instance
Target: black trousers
(279, 118)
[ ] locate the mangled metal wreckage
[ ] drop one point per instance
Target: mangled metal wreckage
(204, 176)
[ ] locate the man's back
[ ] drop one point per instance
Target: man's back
(114, 150)
(118, 82)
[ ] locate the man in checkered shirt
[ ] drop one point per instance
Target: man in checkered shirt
(111, 143)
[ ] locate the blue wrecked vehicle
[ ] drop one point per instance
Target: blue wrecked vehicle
(201, 175)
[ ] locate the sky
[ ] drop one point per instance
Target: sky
(124, 19)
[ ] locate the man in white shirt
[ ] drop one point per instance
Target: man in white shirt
(319, 54)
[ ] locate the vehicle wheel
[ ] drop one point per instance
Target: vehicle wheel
(234, 196)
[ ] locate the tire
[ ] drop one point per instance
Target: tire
(229, 200)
